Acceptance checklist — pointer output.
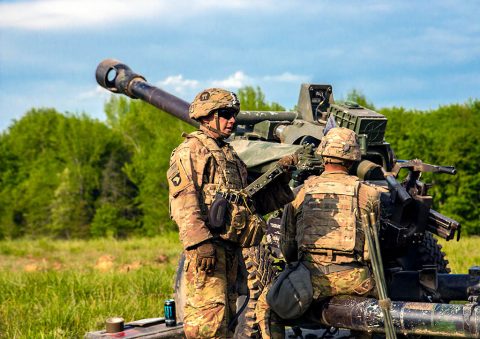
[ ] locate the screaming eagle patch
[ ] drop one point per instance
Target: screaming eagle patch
(177, 179)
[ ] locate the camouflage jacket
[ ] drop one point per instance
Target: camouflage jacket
(323, 221)
(198, 167)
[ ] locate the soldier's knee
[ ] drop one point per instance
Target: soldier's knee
(207, 321)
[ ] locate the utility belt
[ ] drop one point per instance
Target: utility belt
(232, 216)
(334, 268)
(329, 257)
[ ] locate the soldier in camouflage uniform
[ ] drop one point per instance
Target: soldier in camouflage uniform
(322, 227)
(203, 168)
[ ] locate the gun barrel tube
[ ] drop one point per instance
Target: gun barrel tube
(253, 117)
(117, 77)
(448, 170)
(364, 314)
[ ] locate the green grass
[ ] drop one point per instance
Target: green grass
(63, 289)
(462, 254)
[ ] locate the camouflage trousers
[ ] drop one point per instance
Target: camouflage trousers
(210, 300)
(355, 281)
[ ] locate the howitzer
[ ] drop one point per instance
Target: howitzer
(416, 272)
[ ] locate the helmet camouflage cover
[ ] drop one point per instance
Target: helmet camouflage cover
(341, 143)
(212, 99)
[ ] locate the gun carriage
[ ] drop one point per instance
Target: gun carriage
(416, 271)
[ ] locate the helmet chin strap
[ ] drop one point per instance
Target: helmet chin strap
(216, 130)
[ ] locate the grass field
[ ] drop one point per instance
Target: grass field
(62, 289)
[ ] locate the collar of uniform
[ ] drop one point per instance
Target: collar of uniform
(335, 172)
(220, 142)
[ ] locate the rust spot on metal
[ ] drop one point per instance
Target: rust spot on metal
(419, 306)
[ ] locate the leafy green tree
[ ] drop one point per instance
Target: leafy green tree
(53, 174)
(446, 136)
(150, 135)
(358, 97)
(253, 99)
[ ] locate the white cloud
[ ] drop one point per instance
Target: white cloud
(287, 77)
(51, 14)
(236, 80)
(178, 83)
(98, 92)
(55, 14)
(58, 14)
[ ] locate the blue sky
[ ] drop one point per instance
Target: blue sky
(416, 54)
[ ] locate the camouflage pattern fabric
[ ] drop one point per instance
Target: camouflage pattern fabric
(195, 174)
(357, 280)
(268, 322)
(212, 99)
(341, 143)
(367, 201)
(210, 299)
(199, 167)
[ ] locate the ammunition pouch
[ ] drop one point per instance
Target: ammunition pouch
(217, 213)
(232, 216)
(254, 231)
(291, 294)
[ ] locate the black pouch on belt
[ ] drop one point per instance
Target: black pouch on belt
(217, 213)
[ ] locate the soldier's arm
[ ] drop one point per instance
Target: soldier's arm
(184, 193)
(288, 228)
(274, 196)
(369, 201)
(369, 198)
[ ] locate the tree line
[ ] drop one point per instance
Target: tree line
(71, 176)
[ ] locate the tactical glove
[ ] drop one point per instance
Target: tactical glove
(288, 160)
(206, 257)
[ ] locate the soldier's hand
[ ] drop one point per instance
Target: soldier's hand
(288, 161)
(206, 257)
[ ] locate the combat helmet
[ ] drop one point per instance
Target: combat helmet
(340, 143)
(212, 99)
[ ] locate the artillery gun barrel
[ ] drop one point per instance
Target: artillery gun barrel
(117, 77)
(253, 117)
(364, 314)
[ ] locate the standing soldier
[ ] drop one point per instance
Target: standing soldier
(214, 218)
(322, 227)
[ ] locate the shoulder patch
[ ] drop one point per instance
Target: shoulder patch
(177, 179)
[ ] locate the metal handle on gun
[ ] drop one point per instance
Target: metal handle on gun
(263, 180)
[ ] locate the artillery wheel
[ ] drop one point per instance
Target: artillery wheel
(431, 252)
(261, 269)
(428, 252)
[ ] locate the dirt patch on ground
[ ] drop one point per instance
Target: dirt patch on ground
(105, 263)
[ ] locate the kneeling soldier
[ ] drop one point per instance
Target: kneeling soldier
(322, 227)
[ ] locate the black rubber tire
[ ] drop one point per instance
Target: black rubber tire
(430, 252)
(261, 270)
(427, 252)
